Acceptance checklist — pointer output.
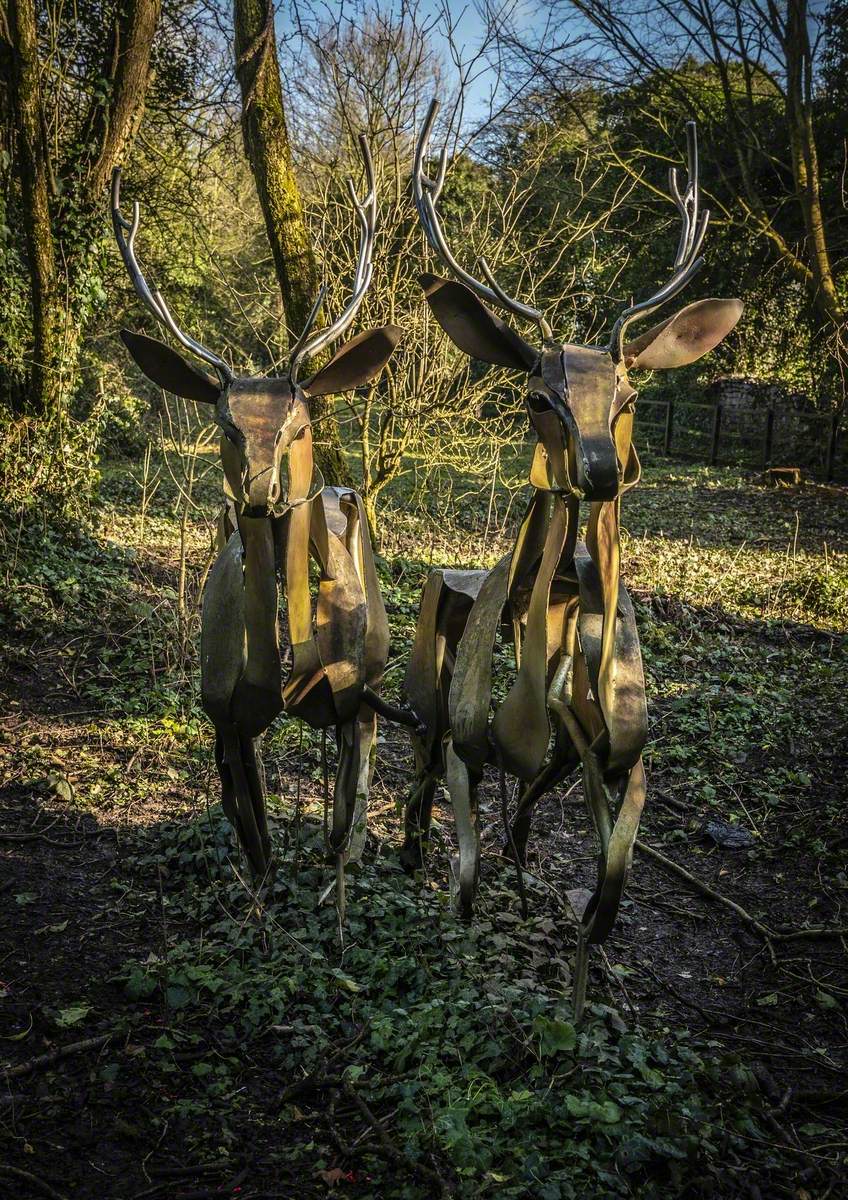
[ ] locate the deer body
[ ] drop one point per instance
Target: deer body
(576, 695)
(328, 664)
(577, 689)
(315, 664)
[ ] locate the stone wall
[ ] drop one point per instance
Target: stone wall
(740, 391)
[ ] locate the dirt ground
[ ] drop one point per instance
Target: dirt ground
(86, 796)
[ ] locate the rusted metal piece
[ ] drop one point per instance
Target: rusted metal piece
(324, 662)
(578, 693)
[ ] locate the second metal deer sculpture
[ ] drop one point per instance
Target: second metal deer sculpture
(577, 696)
(335, 644)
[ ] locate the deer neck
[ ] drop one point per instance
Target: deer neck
(277, 547)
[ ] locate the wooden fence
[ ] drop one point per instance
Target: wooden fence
(754, 437)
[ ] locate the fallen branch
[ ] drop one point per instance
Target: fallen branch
(210, 1168)
(33, 1180)
(770, 935)
(816, 931)
(705, 889)
(389, 1148)
(337, 1083)
(47, 1060)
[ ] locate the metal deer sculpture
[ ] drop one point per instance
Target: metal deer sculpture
(577, 696)
(332, 659)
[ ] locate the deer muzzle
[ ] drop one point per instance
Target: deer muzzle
(581, 384)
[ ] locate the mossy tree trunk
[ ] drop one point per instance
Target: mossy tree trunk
(45, 293)
(62, 219)
(268, 149)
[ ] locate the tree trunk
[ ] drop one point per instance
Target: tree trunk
(80, 208)
(267, 145)
(128, 70)
(46, 299)
(805, 166)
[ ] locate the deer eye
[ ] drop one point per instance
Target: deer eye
(538, 402)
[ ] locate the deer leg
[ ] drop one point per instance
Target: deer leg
(366, 732)
(240, 760)
(549, 777)
(418, 813)
(347, 779)
(463, 794)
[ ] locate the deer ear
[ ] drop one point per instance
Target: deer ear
(473, 328)
(685, 337)
(356, 362)
(169, 370)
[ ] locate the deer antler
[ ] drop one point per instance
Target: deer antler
(426, 192)
(366, 211)
(686, 262)
(125, 233)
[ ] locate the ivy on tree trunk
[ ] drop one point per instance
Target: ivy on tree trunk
(60, 223)
(45, 297)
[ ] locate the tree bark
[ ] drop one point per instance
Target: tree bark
(802, 142)
(128, 70)
(268, 149)
(27, 109)
(80, 207)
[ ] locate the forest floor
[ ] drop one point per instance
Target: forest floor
(165, 1035)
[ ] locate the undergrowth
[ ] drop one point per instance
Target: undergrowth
(459, 1039)
(250, 1025)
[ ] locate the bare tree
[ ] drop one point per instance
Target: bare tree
(378, 73)
(756, 51)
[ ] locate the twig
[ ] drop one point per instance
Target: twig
(389, 1148)
(315, 1083)
(210, 1168)
(32, 836)
(679, 996)
(519, 874)
(38, 1184)
(208, 1193)
(46, 1060)
(312, 1083)
(770, 935)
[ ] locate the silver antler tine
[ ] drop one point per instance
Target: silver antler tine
(125, 234)
(686, 261)
(366, 214)
(426, 192)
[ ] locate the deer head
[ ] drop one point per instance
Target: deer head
(575, 394)
(262, 418)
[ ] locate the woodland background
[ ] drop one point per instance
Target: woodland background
(564, 120)
(162, 1032)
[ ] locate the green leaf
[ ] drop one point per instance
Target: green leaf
(825, 1000)
(72, 1015)
(605, 1112)
(556, 1036)
(176, 997)
(139, 984)
(60, 787)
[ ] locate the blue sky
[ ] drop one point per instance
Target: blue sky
(469, 31)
